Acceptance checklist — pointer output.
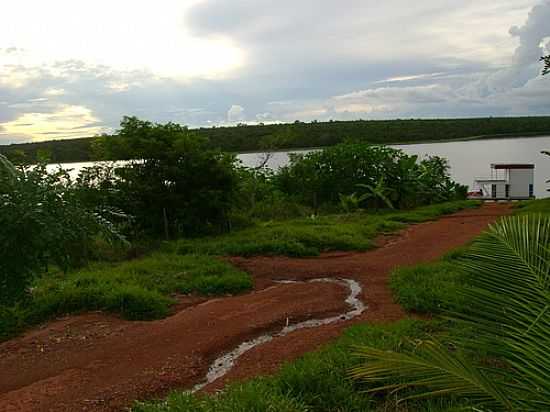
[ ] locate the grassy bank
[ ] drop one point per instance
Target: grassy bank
(139, 289)
(541, 206)
(311, 236)
(143, 288)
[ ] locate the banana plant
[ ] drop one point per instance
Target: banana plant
(379, 192)
(351, 203)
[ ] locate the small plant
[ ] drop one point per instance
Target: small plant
(351, 203)
(379, 192)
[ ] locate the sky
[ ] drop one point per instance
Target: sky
(73, 68)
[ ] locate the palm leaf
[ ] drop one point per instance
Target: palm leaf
(434, 368)
(508, 304)
(7, 168)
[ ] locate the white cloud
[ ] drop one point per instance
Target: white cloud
(189, 60)
(235, 114)
(67, 121)
(123, 34)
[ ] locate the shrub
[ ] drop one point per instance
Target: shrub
(42, 222)
(345, 170)
(177, 186)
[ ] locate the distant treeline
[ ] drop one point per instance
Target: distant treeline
(245, 138)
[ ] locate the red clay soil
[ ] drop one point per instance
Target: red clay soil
(97, 362)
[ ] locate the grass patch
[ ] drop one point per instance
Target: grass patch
(138, 289)
(311, 236)
(540, 206)
(319, 381)
(431, 288)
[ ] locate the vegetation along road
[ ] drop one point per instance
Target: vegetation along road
(98, 362)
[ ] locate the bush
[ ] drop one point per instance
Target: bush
(384, 175)
(177, 187)
(42, 222)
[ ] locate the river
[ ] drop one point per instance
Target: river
(468, 159)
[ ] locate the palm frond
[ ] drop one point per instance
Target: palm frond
(508, 305)
(432, 367)
(7, 168)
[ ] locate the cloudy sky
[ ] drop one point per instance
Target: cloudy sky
(74, 68)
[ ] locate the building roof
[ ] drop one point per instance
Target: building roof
(489, 180)
(508, 166)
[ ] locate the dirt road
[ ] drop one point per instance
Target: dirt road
(97, 362)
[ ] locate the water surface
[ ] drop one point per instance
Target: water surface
(468, 159)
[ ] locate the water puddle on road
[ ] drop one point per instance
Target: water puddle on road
(222, 365)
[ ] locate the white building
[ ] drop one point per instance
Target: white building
(508, 181)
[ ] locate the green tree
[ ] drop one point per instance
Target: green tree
(173, 184)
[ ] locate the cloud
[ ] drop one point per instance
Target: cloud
(307, 60)
(235, 114)
(66, 121)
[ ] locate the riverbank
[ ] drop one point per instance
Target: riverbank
(295, 136)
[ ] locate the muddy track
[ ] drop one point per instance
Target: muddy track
(96, 362)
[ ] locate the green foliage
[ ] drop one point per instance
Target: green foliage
(256, 396)
(388, 176)
(315, 134)
(351, 203)
(42, 222)
(175, 185)
(540, 206)
(508, 303)
(378, 192)
(429, 288)
(138, 289)
(313, 235)
(258, 199)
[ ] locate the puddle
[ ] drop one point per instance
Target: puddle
(222, 365)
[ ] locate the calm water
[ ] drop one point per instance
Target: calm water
(468, 160)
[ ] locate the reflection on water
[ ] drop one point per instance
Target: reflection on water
(468, 160)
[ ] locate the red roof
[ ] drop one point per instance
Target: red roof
(508, 166)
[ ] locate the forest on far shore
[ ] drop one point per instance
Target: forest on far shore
(265, 137)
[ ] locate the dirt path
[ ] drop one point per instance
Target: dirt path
(100, 363)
